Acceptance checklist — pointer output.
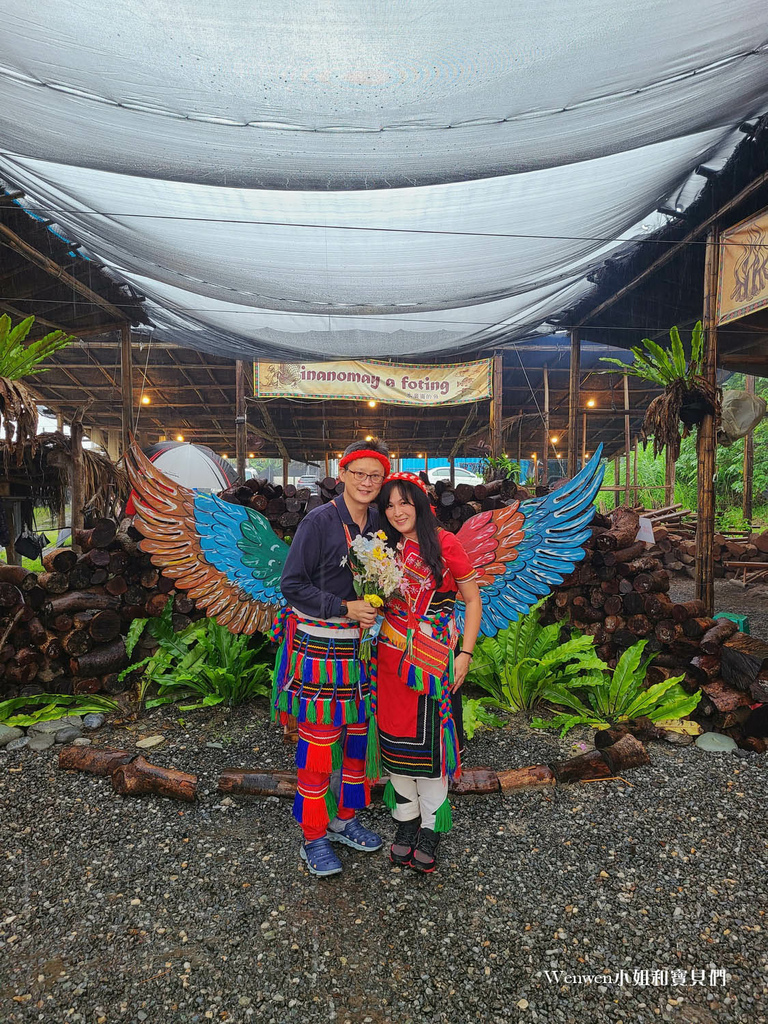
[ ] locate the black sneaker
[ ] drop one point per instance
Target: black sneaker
(401, 850)
(424, 856)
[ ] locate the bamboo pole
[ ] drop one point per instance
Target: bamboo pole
(706, 439)
(497, 402)
(583, 439)
(545, 432)
(616, 479)
(452, 466)
(669, 478)
(286, 467)
(749, 460)
(327, 465)
(574, 382)
(126, 384)
(627, 438)
(240, 434)
(62, 519)
(520, 441)
(634, 471)
(78, 497)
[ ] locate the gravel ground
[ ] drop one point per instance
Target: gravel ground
(125, 910)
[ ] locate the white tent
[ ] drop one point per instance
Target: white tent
(408, 178)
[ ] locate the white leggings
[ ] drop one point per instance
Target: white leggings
(418, 797)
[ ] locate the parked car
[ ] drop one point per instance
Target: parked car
(462, 476)
(307, 481)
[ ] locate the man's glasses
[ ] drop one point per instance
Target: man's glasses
(360, 478)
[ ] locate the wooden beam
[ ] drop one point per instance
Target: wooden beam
(240, 418)
(273, 430)
(706, 438)
(627, 437)
(126, 384)
(15, 242)
(497, 403)
(669, 478)
(749, 460)
(78, 495)
(545, 432)
(583, 441)
(634, 471)
(673, 250)
(574, 385)
(460, 440)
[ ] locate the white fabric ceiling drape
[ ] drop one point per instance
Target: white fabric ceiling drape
(361, 178)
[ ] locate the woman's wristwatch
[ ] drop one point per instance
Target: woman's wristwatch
(344, 609)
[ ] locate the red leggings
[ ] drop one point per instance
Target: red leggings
(312, 791)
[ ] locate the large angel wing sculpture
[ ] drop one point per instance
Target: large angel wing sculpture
(226, 556)
(520, 552)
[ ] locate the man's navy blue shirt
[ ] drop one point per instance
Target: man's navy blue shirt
(314, 581)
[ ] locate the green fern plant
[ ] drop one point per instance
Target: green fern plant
(663, 367)
(610, 697)
(17, 360)
(204, 663)
(517, 665)
(54, 705)
(686, 397)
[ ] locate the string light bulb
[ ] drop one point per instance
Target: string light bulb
(555, 440)
(145, 399)
(179, 437)
(591, 403)
(369, 437)
(372, 403)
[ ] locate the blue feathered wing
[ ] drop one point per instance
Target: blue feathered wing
(524, 550)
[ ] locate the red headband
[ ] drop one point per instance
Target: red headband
(410, 478)
(365, 453)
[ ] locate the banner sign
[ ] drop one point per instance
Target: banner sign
(743, 282)
(388, 383)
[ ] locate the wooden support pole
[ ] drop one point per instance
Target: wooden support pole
(627, 439)
(78, 496)
(452, 465)
(583, 439)
(286, 467)
(749, 460)
(669, 478)
(240, 423)
(497, 401)
(520, 442)
(574, 385)
(62, 519)
(706, 438)
(126, 384)
(426, 463)
(634, 471)
(616, 481)
(545, 431)
(327, 465)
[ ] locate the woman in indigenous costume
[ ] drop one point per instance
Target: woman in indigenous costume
(418, 669)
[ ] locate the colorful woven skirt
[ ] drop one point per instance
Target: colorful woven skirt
(318, 675)
(417, 735)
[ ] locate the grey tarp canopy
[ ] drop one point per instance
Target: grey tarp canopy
(409, 178)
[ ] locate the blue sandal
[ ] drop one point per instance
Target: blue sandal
(320, 858)
(357, 836)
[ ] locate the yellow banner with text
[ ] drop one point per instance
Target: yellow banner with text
(388, 383)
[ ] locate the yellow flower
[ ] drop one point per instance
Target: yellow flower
(373, 600)
(378, 554)
(381, 535)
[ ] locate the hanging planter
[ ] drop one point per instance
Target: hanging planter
(687, 397)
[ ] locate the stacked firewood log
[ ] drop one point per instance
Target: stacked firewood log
(674, 531)
(63, 630)
(284, 506)
(619, 595)
(455, 504)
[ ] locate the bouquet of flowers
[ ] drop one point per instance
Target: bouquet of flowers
(376, 575)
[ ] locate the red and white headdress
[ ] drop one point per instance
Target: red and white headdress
(411, 478)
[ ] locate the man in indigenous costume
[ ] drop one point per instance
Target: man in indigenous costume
(417, 670)
(319, 677)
